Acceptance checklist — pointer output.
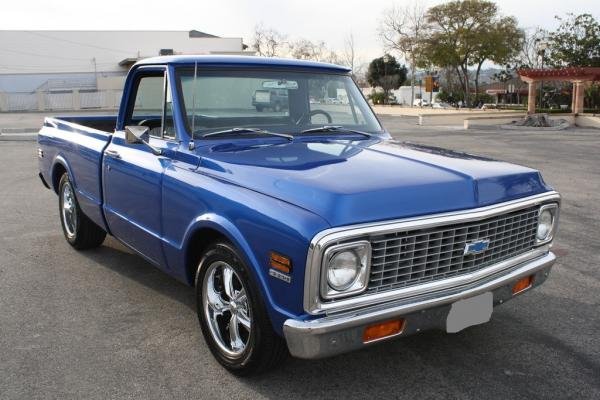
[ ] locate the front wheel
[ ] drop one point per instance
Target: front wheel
(80, 231)
(232, 316)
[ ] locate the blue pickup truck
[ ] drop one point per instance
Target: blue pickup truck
(304, 229)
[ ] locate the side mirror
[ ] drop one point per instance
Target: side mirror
(136, 134)
(140, 134)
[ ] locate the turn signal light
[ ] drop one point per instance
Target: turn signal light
(522, 284)
(383, 330)
(280, 263)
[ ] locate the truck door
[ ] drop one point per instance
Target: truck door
(133, 173)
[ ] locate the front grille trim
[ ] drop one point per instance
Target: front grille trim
(313, 304)
(412, 257)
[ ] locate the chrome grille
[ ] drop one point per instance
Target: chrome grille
(408, 258)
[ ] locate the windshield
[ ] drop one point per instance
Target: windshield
(278, 101)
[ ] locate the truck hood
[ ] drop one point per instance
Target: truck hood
(354, 181)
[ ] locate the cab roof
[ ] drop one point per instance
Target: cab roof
(249, 61)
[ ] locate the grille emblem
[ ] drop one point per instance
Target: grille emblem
(476, 247)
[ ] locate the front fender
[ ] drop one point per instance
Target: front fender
(256, 224)
(232, 233)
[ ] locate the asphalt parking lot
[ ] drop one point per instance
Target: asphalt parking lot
(105, 324)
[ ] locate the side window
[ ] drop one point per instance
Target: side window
(148, 105)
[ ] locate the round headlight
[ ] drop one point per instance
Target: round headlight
(545, 222)
(342, 270)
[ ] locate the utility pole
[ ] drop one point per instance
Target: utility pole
(412, 78)
(429, 86)
(386, 59)
(95, 72)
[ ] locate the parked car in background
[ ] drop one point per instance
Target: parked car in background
(333, 100)
(273, 99)
(441, 105)
(309, 231)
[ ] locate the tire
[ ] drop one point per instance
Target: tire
(259, 108)
(79, 230)
(253, 347)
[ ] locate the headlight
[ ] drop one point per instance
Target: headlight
(345, 269)
(547, 219)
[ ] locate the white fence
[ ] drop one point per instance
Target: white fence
(63, 100)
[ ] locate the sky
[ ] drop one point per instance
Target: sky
(315, 20)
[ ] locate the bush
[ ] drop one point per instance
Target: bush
(484, 98)
(377, 97)
(456, 97)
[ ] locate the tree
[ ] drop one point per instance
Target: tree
(529, 54)
(499, 44)
(576, 42)
(350, 58)
(452, 86)
(403, 29)
(304, 49)
(466, 33)
(268, 42)
(349, 53)
(387, 73)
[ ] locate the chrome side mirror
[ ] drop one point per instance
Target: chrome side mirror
(136, 134)
(140, 134)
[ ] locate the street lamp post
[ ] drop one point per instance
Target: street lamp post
(411, 55)
(386, 59)
(542, 46)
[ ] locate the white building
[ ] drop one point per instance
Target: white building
(59, 60)
(403, 94)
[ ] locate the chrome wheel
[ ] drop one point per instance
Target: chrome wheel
(69, 210)
(226, 307)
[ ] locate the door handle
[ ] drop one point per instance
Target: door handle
(112, 153)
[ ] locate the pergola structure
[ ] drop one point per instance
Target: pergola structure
(580, 77)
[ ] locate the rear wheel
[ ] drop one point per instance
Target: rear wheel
(232, 316)
(78, 229)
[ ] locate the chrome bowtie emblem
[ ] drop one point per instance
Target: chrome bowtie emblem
(476, 247)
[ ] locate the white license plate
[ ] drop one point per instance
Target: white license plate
(468, 312)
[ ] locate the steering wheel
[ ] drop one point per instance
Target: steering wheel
(312, 114)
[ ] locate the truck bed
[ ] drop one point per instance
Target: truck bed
(76, 144)
(105, 123)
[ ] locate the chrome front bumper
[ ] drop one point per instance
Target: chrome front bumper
(341, 333)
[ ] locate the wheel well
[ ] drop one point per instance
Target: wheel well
(57, 173)
(195, 248)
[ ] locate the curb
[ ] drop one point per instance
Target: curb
(17, 130)
(21, 136)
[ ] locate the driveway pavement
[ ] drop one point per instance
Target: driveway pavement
(105, 324)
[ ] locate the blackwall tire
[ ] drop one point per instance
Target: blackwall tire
(227, 297)
(79, 230)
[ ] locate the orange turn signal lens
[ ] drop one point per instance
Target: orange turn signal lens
(522, 284)
(280, 263)
(383, 330)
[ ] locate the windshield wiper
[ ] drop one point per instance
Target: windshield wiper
(336, 128)
(248, 130)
